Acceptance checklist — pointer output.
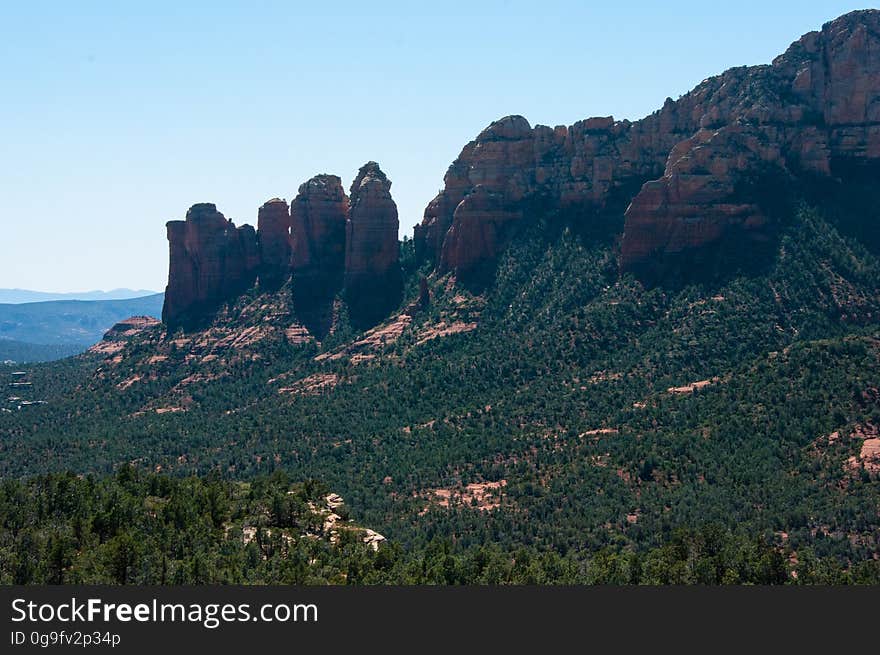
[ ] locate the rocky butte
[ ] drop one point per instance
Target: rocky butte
(373, 281)
(324, 242)
(691, 173)
(210, 261)
(273, 228)
(689, 191)
(318, 215)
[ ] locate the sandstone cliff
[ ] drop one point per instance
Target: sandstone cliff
(815, 111)
(323, 241)
(318, 215)
(697, 180)
(373, 281)
(273, 227)
(210, 260)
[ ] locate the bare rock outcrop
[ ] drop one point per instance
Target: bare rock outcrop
(116, 338)
(210, 261)
(373, 280)
(273, 227)
(475, 235)
(324, 241)
(318, 214)
(687, 168)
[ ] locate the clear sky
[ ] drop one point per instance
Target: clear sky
(117, 116)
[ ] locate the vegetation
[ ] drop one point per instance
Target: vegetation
(20, 351)
(575, 426)
(131, 528)
(62, 323)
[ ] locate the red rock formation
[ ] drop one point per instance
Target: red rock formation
(318, 215)
(422, 302)
(323, 241)
(424, 299)
(115, 339)
(474, 237)
(501, 159)
(814, 111)
(210, 261)
(565, 168)
(373, 280)
(273, 227)
(696, 202)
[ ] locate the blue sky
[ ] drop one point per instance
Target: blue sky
(118, 116)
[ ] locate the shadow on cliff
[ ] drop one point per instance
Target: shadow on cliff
(314, 302)
(851, 200)
(543, 219)
(371, 301)
(744, 250)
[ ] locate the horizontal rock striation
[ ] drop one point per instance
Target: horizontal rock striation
(688, 169)
(322, 240)
(690, 190)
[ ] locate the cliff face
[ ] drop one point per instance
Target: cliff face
(318, 215)
(697, 177)
(373, 281)
(210, 260)
(323, 241)
(571, 169)
(273, 226)
(473, 238)
(814, 112)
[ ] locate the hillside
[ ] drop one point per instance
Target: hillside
(566, 409)
(22, 352)
(66, 323)
(613, 352)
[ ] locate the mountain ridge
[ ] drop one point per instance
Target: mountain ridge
(694, 181)
(16, 296)
(69, 322)
(529, 405)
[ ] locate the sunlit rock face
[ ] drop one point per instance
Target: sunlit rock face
(210, 260)
(688, 170)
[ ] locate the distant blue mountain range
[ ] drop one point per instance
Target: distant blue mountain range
(26, 295)
(68, 326)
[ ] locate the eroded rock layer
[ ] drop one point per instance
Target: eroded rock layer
(318, 214)
(273, 226)
(210, 260)
(373, 281)
(323, 241)
(688, 167)
(698, 180)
